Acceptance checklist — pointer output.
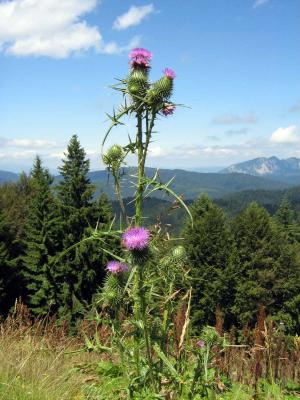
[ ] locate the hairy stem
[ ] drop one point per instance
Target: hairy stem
(140, 177)
(144, 319)
(119, 197)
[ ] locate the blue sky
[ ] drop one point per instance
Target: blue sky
(237, 65)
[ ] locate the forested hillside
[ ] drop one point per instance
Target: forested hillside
(186, 183)
(52, 258)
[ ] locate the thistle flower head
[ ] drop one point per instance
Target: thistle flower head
(140, 58)
(200, 344)
(168, 109)
(169, 73)
(116, 267)
(136, 238)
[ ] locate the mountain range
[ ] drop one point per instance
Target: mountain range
(186, 183)
(271, 167)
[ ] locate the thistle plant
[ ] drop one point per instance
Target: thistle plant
(147, 290)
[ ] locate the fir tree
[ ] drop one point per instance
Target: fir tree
(284, 215)
(286, 218)
(268, 272)
(82, 266)
(42, 241)
(7, 273)
(211, 252)
(14, 200)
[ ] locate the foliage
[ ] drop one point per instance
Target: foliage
(212, 256)
(81, 267)
(41, 243)
(268, 271)
(7, 273)
(14, 200)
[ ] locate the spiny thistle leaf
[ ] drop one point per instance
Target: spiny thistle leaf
(112, 293)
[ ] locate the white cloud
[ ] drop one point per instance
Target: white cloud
(133, 16)
(218, 151)
(157, 151)
(114, 48)
(285, 135)
(196, 151)
(231, 119)
(52, 28)
(32, 143)
(25, 155)
(259, 3)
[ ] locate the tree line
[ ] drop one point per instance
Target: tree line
(46, 256)
(49, 258)
(241, 265)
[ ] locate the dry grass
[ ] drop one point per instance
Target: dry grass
(39, 361)
(266, 354)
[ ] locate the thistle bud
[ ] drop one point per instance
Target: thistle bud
(114, 157)
(178, 253)
(160, 91)
(137, 82)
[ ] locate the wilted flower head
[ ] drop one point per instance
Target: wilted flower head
(168, 109)
(136, 238)
(200, 344)
(169, 73)
(140, 57)
(115, 267)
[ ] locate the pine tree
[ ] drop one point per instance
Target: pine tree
(284, 215)
(286, 218)
(42, 241)
(14, 200)
(7, 273)
(268, 272)
(82, 266)
(211, 252)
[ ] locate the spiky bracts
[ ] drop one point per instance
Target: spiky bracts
(137, 83)
(114, 157)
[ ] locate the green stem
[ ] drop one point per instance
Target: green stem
(142, 153)
(197, 374)
(119, 197)
(149, 128)
(140, 184)
(144, 319)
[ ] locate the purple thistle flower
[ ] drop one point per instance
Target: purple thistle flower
(200, 344)
(115, 267)
(169, 73)
(140, 57)
(168, 109)
(136, 238)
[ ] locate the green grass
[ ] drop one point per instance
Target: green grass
(34, 368)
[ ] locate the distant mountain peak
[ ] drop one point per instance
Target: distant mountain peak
(263, 166)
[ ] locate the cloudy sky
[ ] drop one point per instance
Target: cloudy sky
(237, 65)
